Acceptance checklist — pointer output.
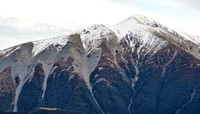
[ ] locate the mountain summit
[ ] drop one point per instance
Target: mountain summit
(136, 67)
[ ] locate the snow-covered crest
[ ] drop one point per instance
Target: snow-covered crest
(39, 46)
(137, 24)
(92, 36)
(8, 51)
(194, 39)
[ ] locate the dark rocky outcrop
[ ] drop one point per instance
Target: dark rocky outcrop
(31, 92)
(7, 90)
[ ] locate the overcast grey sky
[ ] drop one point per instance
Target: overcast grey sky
(190, 3)
(28, 20)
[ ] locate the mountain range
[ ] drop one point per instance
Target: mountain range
(138, 66)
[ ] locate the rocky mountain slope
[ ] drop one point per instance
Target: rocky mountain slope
(136, 67)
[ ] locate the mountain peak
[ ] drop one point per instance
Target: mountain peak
(141, 19)
(95, 32)
(137, 23)
(137, 16)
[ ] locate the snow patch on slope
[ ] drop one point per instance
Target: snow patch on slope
(8, 51)
(17, 93)
(129, 25)
(92, 36)
(138, 22)
(194, 39)
(41, 45)
(144, 24)
(23, 76)
(47, 69)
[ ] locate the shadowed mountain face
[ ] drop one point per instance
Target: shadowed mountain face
(135, 67)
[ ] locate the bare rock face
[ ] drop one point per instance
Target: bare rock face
(135, 67)
(7, 90)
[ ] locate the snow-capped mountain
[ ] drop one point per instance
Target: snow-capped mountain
(137, 66)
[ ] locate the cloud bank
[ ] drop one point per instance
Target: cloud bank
(14, 31)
